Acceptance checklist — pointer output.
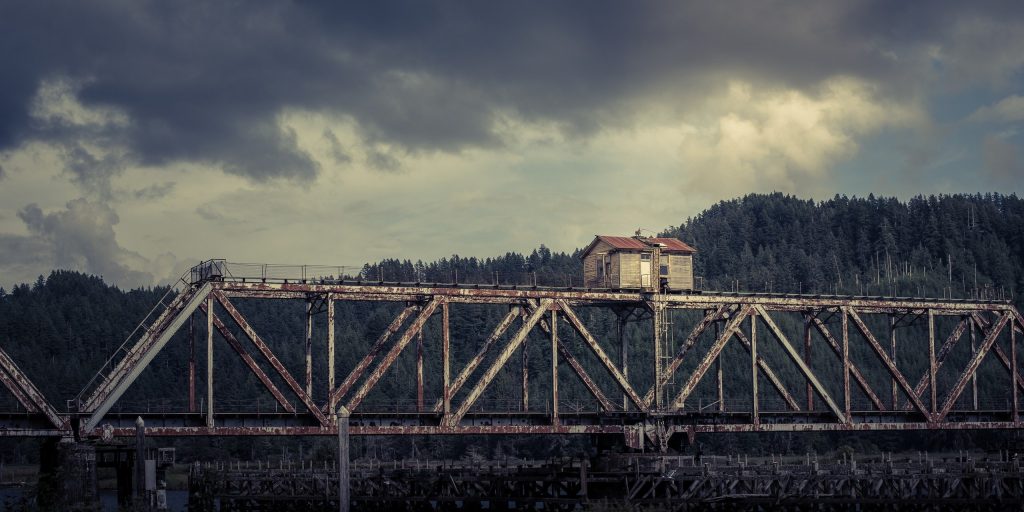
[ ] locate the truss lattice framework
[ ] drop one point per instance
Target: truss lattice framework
(651, 411)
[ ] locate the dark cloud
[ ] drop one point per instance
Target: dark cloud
(80, 237)
(153, 192)
(3, 173)
(335, 148)
(208, 82)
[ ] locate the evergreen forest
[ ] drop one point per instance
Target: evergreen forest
(61, 328)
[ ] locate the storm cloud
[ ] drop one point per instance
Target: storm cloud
(206, 82)
(255, 128)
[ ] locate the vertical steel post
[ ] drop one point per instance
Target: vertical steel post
(554, 367)
(1013, 370)
(721, 381)
(140, 459)
(330, 347)
(419, 371)
(446, 360)
(974, 375)
(624, 353)
(309, 347)
(209, 361)
(932, 368)
(846, 365)
(343, 459)
(807, 360)
(892, 354)
(658, 319)
(192, 363)
(753, 369)
(526, 374)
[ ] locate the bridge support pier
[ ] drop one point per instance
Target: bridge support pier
(67, 476)
(343, 460)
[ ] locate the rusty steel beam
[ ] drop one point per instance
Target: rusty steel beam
(309, 346)
(554, 368)
(581, 372)
(419, 372)
(473, 363)
(845, 322)
(854, 371)
(485, 379)
(890, 365)
(419, 430)
(446, 373)
(138, 357)
(370, 356)
(716, 349)
(1015, 396)
(209, 363)
(34, 399)
(769, 374)
(481, 293)
(256, 340)
(933, 368)
(19, 395)
(330, 346)
(940, 358)
(580, 329)
(191, 363)
(972, 367)
(800, 363)
(249, 361)
(754, 413)
(392, 355)
(1000, 354)
(673, 365)
(807, 360)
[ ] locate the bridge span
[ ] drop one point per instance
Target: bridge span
(648, 366)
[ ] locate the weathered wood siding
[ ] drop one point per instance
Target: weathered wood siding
(680, 272)
(629, 273)
(591, 277)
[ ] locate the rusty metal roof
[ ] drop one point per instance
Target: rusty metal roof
(670, 245)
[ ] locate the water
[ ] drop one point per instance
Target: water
(177, 501)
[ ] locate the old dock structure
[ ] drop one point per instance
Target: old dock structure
(968, 482)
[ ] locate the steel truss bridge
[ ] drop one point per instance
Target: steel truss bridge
(670, 381)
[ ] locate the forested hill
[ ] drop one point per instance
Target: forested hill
(958, 245)
(964, 245)
(61, 328)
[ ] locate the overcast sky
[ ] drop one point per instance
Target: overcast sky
(139, 137)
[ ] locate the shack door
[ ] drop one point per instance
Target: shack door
(645, 270)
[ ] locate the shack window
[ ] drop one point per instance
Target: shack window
(645, 256)
(664, 270)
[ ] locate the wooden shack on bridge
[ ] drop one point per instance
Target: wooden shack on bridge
(637, 262)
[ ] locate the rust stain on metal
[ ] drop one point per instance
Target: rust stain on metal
(770, 375)
(392, 354)
(795, 357)
(889, 363)
(972, 367)
(854, 371)
(716, 349)
(473, 363)
(944, 351)
(271, 358)
(249, 361)
(370, 356)
(485, 379)
(585, 377)
(578, 326)
(687, 344)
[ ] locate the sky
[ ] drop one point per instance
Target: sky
(139, 137)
